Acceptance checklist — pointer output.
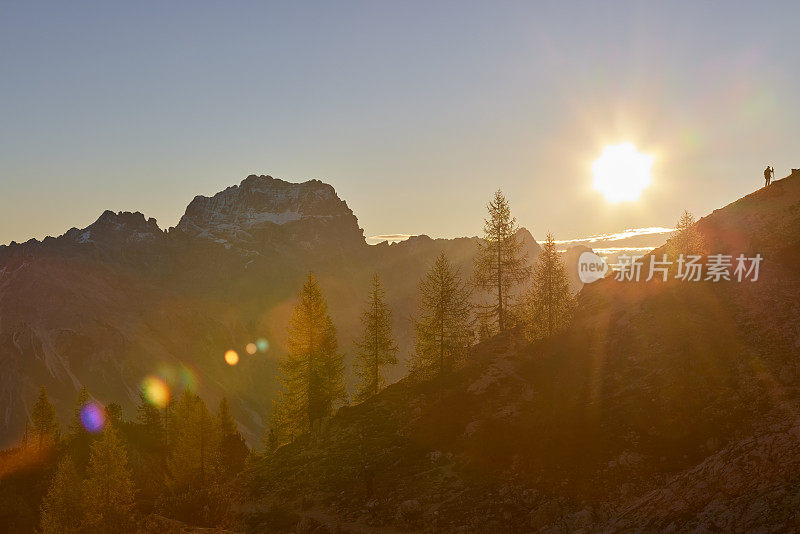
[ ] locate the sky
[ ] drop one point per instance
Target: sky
(416, 112)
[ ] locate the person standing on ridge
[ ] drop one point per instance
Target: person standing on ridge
(769, 172)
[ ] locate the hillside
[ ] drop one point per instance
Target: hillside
(111, 303)
(665, 406)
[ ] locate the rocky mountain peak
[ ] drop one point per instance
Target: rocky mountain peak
(121, 227)
(262, 207)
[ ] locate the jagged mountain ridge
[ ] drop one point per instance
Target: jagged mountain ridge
(110, 303)
(248, 213)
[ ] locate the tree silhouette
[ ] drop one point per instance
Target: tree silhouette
(500, 263)
(233, 450)
(195, 468)
(443, 322)
(44, 428)
(312, 373)
(152, 424)
(548, 305)
(76, 428)
(280, 428)
(193, 451)
(376, 347)
(687, 240)
(61, 507)
(108, 492)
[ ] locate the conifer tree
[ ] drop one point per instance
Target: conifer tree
(193, 451)
(61, 507)
(76, 428)
(280, 430)
(43, 429)
(79, 438)
(233, 450)
(687, 240)
(108, 492)
(169, 423)
(443, 324)
(500, 263)
(195, 472)
(549, 303)
(376, 347)
(334, 385)
(114, 413)
(149, 459)
(152, 424)
(313, 370)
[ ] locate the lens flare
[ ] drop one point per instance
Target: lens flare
(188, 377)
(262, 345)
(156, 391)
(93, 417)
(251, 348)
(231, 357)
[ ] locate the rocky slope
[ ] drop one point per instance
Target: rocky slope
(664, 407)
(108, 304)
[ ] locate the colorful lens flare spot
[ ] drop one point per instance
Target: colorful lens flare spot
(156, 391)
(251, 348)
(231, 357)
(188, 377)
(93, 417)
(262, 344)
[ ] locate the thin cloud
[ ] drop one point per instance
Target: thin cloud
(392, 238)
(626, 234)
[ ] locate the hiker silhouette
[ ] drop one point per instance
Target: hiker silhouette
(769, 172)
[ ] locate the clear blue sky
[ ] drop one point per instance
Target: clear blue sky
(414, 111)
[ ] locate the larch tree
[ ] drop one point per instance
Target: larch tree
(312, 372)
(375, 348)
(233, 450)
(193, 455)
(548, 305)
(79, 438)
(152, 425)
(149, 462)
(279, 428)
(687, 240)
(43, 429)
(61, 507)
(108, 492)
(76, 428)
(443, 324)
(114, 413)
(194, 469)
(501, 263)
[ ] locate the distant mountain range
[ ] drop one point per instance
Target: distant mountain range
(111, 303)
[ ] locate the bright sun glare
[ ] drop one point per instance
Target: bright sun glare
(621, 173)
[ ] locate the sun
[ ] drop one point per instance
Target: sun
(621, 173)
